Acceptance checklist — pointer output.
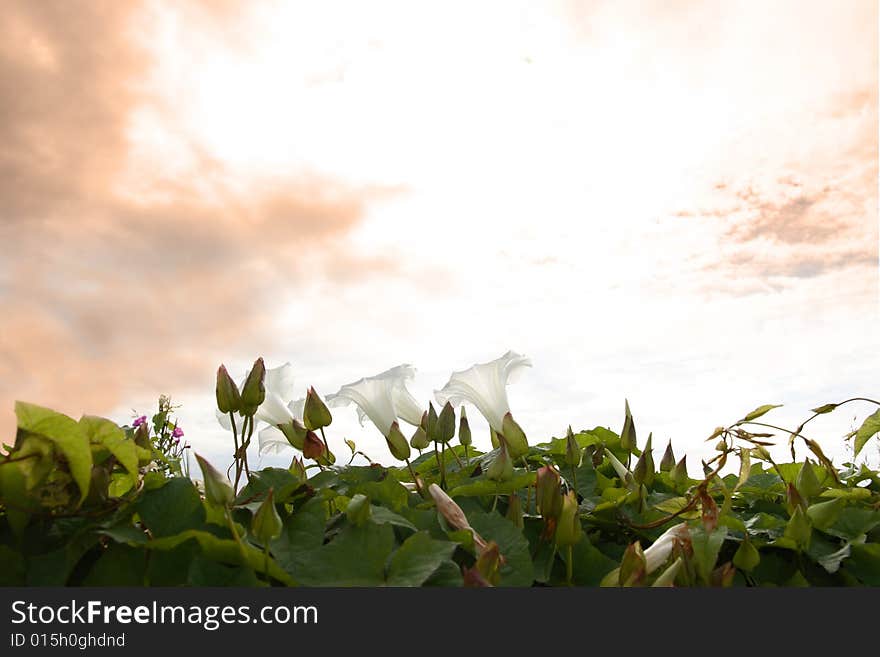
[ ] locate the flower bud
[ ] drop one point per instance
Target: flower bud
(295, 433)
(473, 579)
(266, 524)
(515, 437)
(464, 429)
(548, 492)
(397, 443)
(679, 474)
(721, 445)
(453, 514)
(798, 528)
(142, 436)
(315, 412)
(228, 396)
(632, 566)
(495, 438)
(419, 439)
(488, 563)
(644, 470)
(358, 510)
(514, 510)
(431, 423)
(668, 460)
(573, 451)
(501, 467)
(794, 499)
(298, 469)
(253, 392)
(628, 433)
(824, 514)
(747, 556)
(446, 424)
(568, 529)
(218, 490)
(622, 473)
(807, 483)
(313, 448)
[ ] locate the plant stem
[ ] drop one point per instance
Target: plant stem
(236, 455)
(415, 478)
(569, 565)
(326, 446)
(529, 491)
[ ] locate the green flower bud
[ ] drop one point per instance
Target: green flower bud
(218, 490)
(798, 528)
(628, 433)
(142, 436)
(794, 499)
(266, 524)
(358, 510)
(315, 412)
(464, 429)
(668, 460)
(679, 474)
(489, 562)
(514, 510)
(446, 424)
(747, 556)
(228, 396)
(397, 443)
(419, 439)
(633, 565)
(568, 529)
(501, 468)
(494, 438)
(807, 483)
(721, 445)
(644, 470)
(298, 469)
(548, 492)
(623, 474)
(515, 437)
(573, 451)
(254, 390)
(295, 433)
(431, 423)
(824, 514)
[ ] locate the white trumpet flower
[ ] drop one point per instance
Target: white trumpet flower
(485, 386)
(382, 398)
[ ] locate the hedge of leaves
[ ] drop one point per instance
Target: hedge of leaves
(88, 502)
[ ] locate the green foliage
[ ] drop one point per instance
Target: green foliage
(90, 503)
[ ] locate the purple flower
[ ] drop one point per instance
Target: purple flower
(177, 433)
(139, 421)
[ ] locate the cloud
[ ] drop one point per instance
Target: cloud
(121, 273)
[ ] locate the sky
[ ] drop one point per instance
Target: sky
(674, 203)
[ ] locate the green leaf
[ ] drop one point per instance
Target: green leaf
(518, 571)
(65, 433)
(824, 408)
(356, 557)
(171, 509)
(758, 412)
(417, 559)
(589, 565)
(864, 563)
(484, 486)
(869, 427)
(382, 515)
(101, 431)
(281, 480)
(706, 548)
(204, 572)
(118, 565)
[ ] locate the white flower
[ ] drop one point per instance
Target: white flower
(485, 386)
(658, 553)
(382, 398)
(271, 439)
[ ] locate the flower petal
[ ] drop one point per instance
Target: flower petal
(272, 440)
